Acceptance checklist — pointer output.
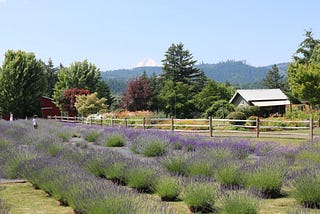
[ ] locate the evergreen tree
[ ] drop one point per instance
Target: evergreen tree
(273, 79)
(306, 47)
(52, 77)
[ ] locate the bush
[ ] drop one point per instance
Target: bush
(199, 167)
(167, 188)
(219, 109)
(175, 164)
(4, 207)
(140, 178)
(267, 178)
(200, 197)
(149, 145)
(54, 149)
(228, 174)
(240, 203)
(307, 188)
(252, 123)
(91, 136)
(115, 140)
(236, 115)
(250, 111)
(115, 172)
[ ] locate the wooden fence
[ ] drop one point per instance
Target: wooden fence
(214, 127)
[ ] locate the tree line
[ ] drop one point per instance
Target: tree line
(181, 90)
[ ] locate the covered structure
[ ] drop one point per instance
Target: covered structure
(270, 101)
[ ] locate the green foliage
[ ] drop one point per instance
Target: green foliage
(219, 109)
(199, 167)
(228, 174)
(250, 111)
(175, 164)
(303, 73)
(54, 149)
(11, 167)
(64, 136)
(167, 188)
(266, 178)
(211, 93)
(237, 116)
(90, 104)
(240, 203)
(51, 74)
(141, 178)
(91, 136)
(200, 197)
(115, 172)
(274, 79)
(79, 75)
(307, 189)
(4, 206)
(115, 140)
(22, 83)
(155, 148)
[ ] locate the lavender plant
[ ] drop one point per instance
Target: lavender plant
(168, 188)
(240, 203)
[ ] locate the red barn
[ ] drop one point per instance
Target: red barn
(48, 108)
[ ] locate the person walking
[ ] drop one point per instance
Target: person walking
(35, 122)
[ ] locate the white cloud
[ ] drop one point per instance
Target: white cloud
(3, 1)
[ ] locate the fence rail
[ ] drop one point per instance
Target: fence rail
(214, 127)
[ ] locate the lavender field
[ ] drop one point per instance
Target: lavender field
(122, 170)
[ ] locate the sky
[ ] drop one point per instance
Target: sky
(117, 34)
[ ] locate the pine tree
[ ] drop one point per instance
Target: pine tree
(273, 79)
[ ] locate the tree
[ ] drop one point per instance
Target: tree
(82, 75)
(68, 99)
(51, 76)
(211, 93)
(179, 73)
(138, 95)
(178, 65)
(304, 72)
(22, 83)
(306, 47)
(103, 91)
(273, 79)
(90, 104)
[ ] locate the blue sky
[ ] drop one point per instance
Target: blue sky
(120, 33)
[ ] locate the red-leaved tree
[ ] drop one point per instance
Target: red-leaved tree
(68, 100)
(138, 95)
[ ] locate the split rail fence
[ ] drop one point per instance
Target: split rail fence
(214, 127)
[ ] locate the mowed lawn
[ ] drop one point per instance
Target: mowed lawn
(24, 199)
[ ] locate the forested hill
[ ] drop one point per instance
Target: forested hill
(236, 72)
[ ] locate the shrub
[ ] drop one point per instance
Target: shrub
(249, 123)
(175, 164)
(149, 145)
(309, 156)
(115, 140)
(64, 136)
(11, 168)
(200, 197)
(95, 167)
(115, 172)
(91, 136)
(228, 174)
(240, 203)
(250, 111)
(266, 178)
(140, 178)
(4, 207)
(236, 115)
(199, 167)
(307, 188)
(54, 149)
(167, 188)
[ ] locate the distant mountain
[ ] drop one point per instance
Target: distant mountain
(236, 72)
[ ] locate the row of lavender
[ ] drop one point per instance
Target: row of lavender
(188, 168)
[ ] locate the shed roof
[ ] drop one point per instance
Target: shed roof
(263, 97)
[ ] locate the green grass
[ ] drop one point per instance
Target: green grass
(24, 199)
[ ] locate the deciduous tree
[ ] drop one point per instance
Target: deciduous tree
(22, 83)
(68, 99)
(90, 104)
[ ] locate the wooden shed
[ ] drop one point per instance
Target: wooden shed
(270, 101)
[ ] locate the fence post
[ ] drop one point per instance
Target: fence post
(90, 120)
(144, 123)
(126, 122)
(258, 127)
(318, 120)
(210, 126)
(112, 121)
(55, 117)
(311, 129)
(172, 124)
(101, 120)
